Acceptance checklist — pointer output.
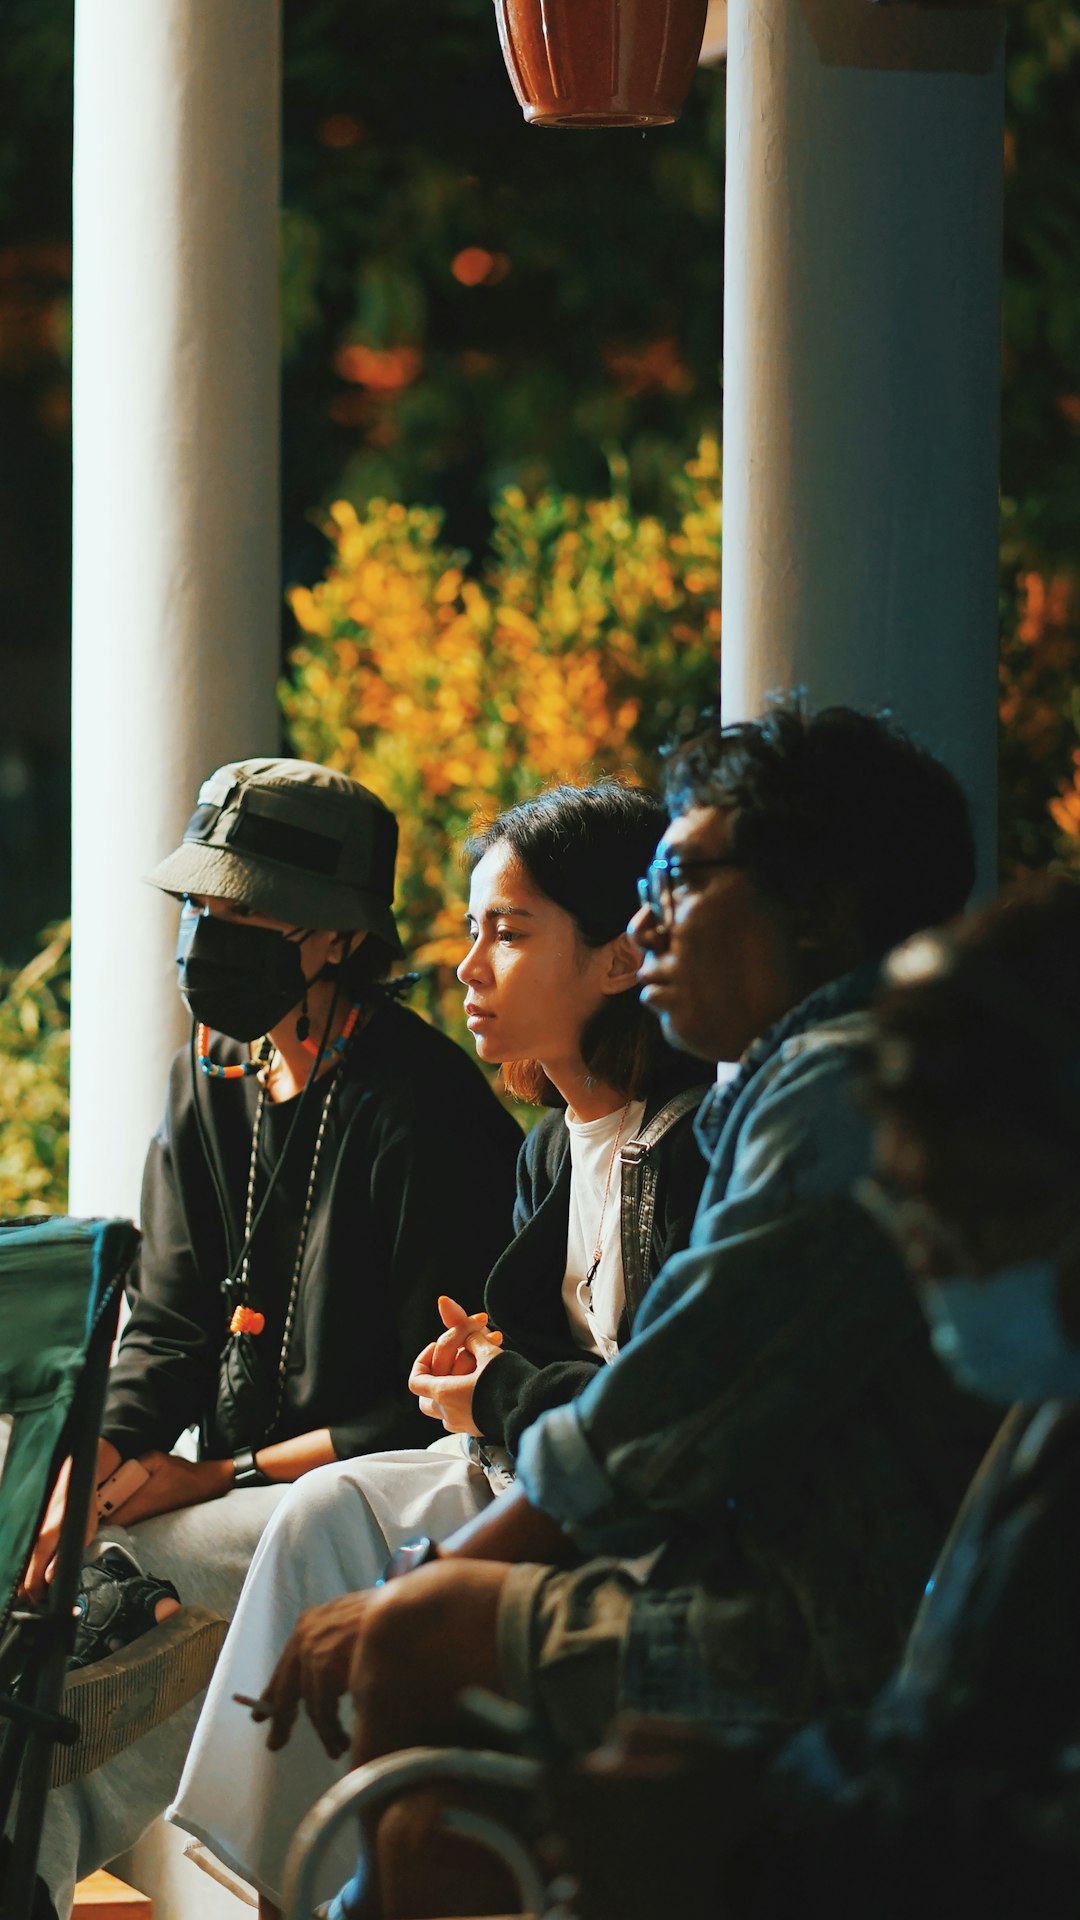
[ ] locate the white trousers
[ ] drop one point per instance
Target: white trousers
(331, 1535)
(205, 1551)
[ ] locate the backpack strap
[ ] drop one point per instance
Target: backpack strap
(638, 1174)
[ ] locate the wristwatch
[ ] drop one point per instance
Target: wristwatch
(406, 1558)
(245, 1472)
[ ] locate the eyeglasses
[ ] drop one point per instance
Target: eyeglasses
(657, 889)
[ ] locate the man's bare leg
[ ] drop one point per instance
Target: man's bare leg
(421, 1870)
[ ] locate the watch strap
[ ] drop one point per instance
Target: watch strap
(245, 1471)
(406, 1558)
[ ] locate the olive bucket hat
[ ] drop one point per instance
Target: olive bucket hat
(300, 842)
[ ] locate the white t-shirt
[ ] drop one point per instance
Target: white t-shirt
(594, 1311)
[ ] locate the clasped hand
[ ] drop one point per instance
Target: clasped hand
(445, 1373)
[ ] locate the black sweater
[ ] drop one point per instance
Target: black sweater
(541, 1365)
(413, 1199)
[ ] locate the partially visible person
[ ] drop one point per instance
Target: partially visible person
(328, 1165)
(959, 1793)
(608, 1182)
(777, 1418)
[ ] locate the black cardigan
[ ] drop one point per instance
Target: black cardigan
(413, 1199)
(540, 1365)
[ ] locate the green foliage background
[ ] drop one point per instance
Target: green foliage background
(1040, 437)
(600, 326)
(34, 1082)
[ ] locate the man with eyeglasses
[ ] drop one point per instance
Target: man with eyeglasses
(777, 1433)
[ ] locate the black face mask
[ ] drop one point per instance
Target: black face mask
(238, 980)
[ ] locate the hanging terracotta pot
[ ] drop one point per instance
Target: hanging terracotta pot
(601, 63)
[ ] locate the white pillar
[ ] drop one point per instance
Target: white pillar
(176, 571)
(861, 368)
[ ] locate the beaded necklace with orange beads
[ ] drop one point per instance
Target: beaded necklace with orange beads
(246, 1319)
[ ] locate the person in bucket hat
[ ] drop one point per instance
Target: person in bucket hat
(293, 840)
(327, 1166)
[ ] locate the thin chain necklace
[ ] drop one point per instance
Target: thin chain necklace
(599, 1247)
(245, 1319)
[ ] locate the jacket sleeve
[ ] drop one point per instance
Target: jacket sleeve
(746, 1342)
(511, 1393)
(441, 1200)
(165, 1376)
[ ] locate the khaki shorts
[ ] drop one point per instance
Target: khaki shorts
(577, 1648)
(561, 1643)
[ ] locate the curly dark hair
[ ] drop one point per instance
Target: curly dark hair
(983, 1019)
(584, 848)
(837, 800)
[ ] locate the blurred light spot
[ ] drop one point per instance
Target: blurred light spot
(924, 957)
(654, 367)
(47, 260)
(384, 370)
(340, 130)
(353, 408)
(31, 326)
(472, 266)
(14, 775)
(54, 408)
(474, 365)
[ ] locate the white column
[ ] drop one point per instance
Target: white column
(861, 368)
(176, 570)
